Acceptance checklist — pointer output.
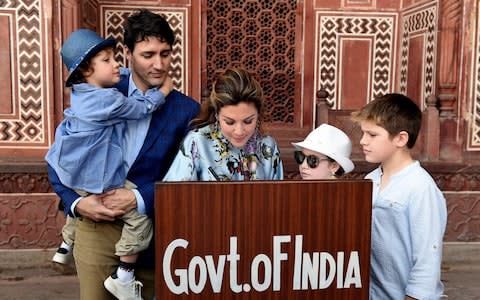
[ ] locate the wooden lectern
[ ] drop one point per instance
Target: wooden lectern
(263, 240)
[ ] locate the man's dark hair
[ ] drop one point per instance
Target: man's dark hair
(144, 24)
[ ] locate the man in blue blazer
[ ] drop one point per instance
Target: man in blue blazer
(148, 39)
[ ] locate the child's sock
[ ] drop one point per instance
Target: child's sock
(125, 271)
(66, 246)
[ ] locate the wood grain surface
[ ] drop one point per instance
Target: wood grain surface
(263, 240)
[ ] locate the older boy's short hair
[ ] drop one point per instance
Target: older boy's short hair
(395, 113)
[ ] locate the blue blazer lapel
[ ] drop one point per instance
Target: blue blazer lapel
(156, 127)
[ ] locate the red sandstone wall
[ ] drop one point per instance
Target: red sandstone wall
(351, 50)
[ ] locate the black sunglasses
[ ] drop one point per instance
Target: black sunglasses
(312, 160)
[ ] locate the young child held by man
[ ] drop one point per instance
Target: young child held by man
(409, 211)
(95, 152)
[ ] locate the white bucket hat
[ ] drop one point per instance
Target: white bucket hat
(329, 141)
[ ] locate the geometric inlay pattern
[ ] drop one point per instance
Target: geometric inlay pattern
(422, 21)
(114, 17)
(260, 37)
(29, 79)
(474, 121)
(330, 30)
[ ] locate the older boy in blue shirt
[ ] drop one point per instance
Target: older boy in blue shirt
(409, 211)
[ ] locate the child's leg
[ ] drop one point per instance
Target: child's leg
(126, 267)
(137, 233)
(64, 252)
(127, 262)
(68, 231)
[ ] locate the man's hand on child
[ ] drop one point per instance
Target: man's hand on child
(119, 200)
(91, 207)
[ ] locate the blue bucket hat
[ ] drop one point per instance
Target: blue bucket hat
(81, 45)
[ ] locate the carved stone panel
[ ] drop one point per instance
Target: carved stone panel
(463, 217)
(355, 56)
(25, 88)
(112, 20)
(29, 221)
(474, 119)
(418, 52)
(261, 37)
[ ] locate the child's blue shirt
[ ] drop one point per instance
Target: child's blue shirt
(90, 151)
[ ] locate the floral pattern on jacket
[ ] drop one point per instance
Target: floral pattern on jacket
(206, 155)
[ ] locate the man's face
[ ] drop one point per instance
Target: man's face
(150, 62)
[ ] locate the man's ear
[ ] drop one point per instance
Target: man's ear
(127, 53)
(401, 139)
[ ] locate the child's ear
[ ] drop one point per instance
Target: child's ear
(402, 138)
(334, 166)
(87, 73)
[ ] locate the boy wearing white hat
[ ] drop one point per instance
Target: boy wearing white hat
(324, 154)
(91, 155)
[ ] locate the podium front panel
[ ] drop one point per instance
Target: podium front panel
(263, 240)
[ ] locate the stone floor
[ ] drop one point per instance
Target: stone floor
(51, 285)
(462, 285)
(48, 281)
(64, 287)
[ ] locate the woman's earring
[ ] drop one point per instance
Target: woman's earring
(217, 123)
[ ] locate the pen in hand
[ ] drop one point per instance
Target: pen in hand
(214, 174)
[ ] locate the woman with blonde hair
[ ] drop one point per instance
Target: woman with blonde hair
(228, 142)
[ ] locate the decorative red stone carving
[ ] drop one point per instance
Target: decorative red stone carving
(29, 221)
(463, 217)
(277, 41)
